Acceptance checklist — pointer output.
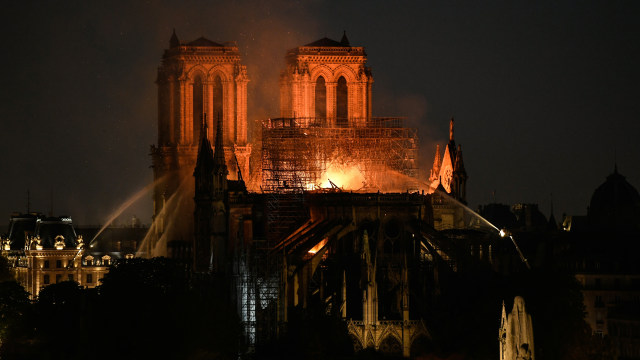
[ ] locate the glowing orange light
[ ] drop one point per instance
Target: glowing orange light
(318, 246)
(347, 177)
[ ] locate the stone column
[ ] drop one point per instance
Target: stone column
(228, 116)
(312, 100)
(183, 114)
(241, 111)
(331, 102)
(209, 106)
(173, 121)
(296, 94)
(368, 97)
(362, 86)
(309, 110)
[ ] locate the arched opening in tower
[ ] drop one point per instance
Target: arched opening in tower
(342, 103)
(198, 108)
(321, 99)
(217, 103)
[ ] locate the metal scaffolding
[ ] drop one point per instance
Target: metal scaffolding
(297, 151)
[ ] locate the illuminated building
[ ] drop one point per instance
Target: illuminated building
(326, 131)
(194, 78)
(448, 184)
(363, 248)
(326, 79)
(47, 250)
(448, 170)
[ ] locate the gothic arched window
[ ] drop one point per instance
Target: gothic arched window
(321, 98)
(342, 102)
(217, 102)
(198, 107)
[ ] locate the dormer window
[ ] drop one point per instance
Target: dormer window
(89, 260)
(106, 260)
(59, 244)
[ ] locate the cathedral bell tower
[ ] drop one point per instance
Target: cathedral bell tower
(327, 80)
(198, 77)
(195, 77)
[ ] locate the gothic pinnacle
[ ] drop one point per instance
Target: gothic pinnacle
(218, 155)
(451, 129)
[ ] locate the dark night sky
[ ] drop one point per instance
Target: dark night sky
(545, 94)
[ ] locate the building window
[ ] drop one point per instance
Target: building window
(46, 264)
(58, 264)
(106, 260)
(321, 98)
(198, 107)
(218, 112)
(58, 278)
(45, 279)
(89, 278)
(599, 303)
(342, 103)
(89, 260)
(70, 277)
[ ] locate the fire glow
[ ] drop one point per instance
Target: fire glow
(347, 177)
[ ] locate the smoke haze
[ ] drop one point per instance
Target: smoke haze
(544, 96)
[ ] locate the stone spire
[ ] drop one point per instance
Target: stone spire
(174, 42)
(203, 198)
(452, 143)
(204, 161)
(344, 40)
(219, 159)
(368, 284)
(451, 129)
(437, 162)
(405, 289)
(459, 179)
(220, 170)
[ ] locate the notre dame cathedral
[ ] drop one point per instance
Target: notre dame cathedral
(360, 249)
